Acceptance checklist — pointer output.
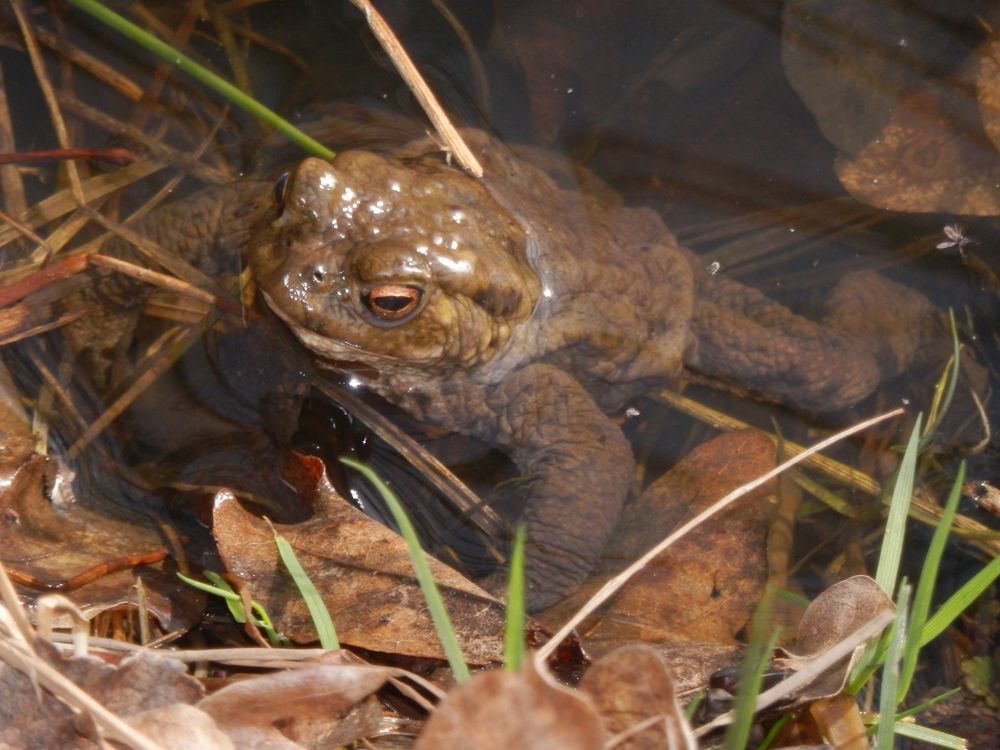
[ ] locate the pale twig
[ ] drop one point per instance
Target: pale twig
(612, 586)
(411, 76)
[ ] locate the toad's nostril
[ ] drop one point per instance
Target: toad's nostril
(318, 276)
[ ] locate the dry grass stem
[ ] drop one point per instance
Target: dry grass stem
(171, 156)
(178, 38)
(178, 340)
(923, 508)
(269, 44)
(48, 91)
(156, 278)
(61, 203)
(12, 602)
(408, 71)
(54, 390)
(86, 62)
(235, 57)
(11, 184)
(430, 467)
(27, 231)
(170, 261)
(613, 585)
(11, 333)
(60, 237)
(833, 469)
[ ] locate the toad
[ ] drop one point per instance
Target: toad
(522, 311)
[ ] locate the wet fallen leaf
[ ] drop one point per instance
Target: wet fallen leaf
(834, 615)
(851, 61)
(932, 156)
(632, 685)
(363, 572)
(508, 710)
(91, 558)
(988, 88)
(705, 587)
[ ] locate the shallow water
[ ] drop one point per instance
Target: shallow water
(716, 116)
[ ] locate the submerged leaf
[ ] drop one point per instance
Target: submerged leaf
(705, 587)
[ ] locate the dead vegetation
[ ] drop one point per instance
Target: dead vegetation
(121, 681)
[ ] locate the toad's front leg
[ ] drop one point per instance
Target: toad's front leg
(578, 468)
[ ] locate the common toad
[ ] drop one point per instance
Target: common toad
(522, 312)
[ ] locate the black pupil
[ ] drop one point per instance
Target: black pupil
(279, 190)
(392, 304)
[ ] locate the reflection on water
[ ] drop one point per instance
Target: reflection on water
(789, 145)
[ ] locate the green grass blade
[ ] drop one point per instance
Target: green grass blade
(221, 588)
(925, 586)
(755, 661)
(233, 600)
(513, 645)
(928, 703)
(930, 736)
(885, 735)
(226, 593)
(203, 75)
(774, 731)
(314, 602)
(960, 601)
(435, 604)
(899, 508)
(944, 389)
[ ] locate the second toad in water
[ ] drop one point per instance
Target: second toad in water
(521, 312)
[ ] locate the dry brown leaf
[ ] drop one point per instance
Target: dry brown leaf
(363, 572)
(50, 547)
(834, 615)
(299, 705)
(508, 711)
(181, 726)
(140, 683)
(705, 587)
(632, 685)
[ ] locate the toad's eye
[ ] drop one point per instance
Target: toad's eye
(392, 302)
(281, 192)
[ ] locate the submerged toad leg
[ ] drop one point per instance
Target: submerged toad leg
(579, 467)
(870, 333)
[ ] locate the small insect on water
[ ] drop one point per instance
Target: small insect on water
(956, 237)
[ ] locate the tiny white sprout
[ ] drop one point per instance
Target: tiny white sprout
(955, 237)
(713, 268)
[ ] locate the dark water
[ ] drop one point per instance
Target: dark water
(730, 118)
